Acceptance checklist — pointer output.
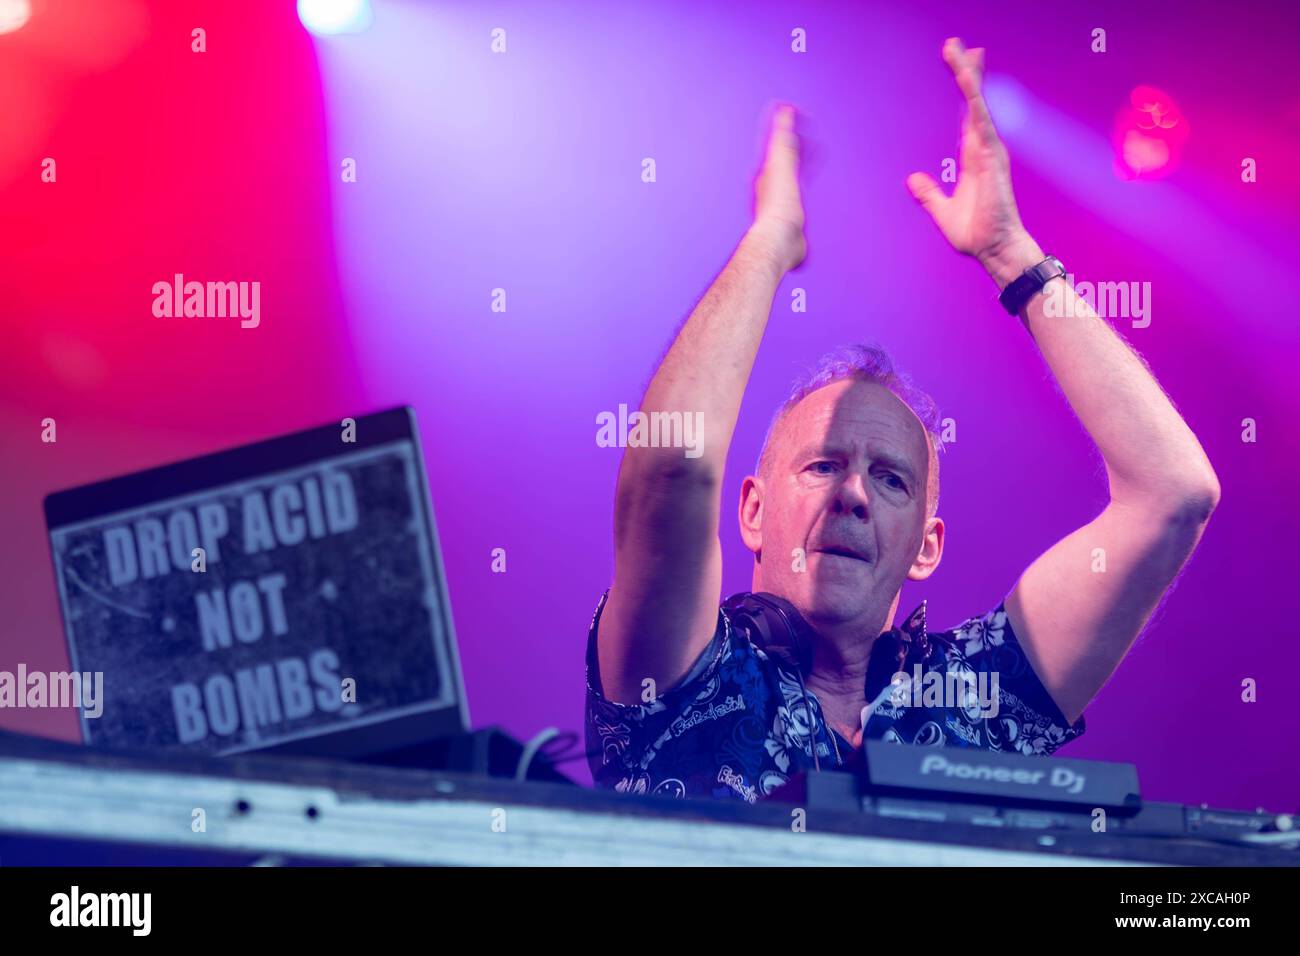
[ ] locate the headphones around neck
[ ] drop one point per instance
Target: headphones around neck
(774, 625)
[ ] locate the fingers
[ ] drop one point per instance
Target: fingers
(783, 118)
(926, 192)
(968, 68)
(783, 141)
(963, 65)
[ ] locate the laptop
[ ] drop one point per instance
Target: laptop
(281, 596)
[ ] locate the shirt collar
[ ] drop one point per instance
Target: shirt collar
(913, 628)
(898, 649)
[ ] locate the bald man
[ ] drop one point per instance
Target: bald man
(688, 698)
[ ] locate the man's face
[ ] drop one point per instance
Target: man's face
(845, 482)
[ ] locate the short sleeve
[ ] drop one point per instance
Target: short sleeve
(630, 735)
(1028, 719)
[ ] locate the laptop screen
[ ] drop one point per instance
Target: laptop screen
(286, 595)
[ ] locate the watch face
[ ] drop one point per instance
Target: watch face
(1048, 269)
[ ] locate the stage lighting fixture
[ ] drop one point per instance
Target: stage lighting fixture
(331, 17)
(1149, 135)
(13, 14)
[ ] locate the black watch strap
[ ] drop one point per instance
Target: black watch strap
(1017, 295)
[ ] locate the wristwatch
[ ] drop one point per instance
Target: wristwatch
(1017, 295)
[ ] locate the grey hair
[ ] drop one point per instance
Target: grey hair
(869, 363)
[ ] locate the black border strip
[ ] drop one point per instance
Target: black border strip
(223, 467)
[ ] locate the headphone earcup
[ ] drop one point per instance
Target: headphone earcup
(773, 625)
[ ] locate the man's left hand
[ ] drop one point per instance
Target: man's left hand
(980, 218)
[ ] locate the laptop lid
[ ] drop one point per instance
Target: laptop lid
(286, 595)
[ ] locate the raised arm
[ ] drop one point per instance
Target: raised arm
(663, 604)
(1076, 622)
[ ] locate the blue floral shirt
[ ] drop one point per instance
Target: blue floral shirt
(739, 723)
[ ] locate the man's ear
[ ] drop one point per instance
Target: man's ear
(751, 513)
(927, 559)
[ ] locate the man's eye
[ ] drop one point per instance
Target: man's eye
(901, 484)
(823, 467)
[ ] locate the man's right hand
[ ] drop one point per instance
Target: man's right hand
(778, 207)
(663, 604)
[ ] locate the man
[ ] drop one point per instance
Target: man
(688, 699)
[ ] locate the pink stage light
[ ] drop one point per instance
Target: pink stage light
(1149, 135)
